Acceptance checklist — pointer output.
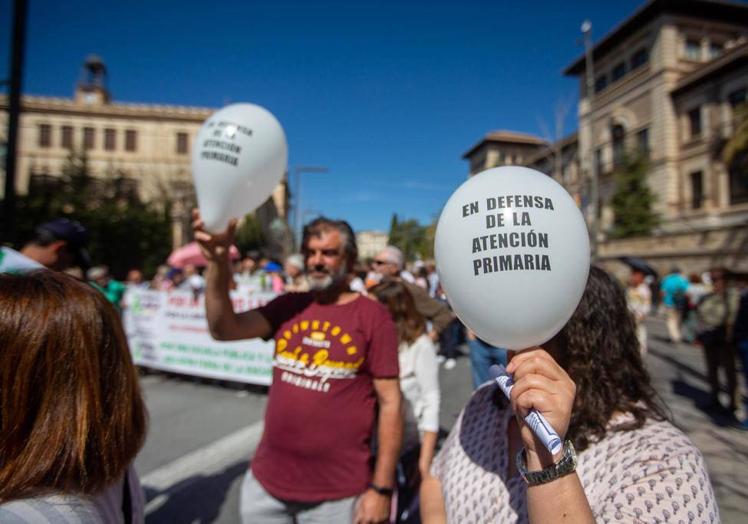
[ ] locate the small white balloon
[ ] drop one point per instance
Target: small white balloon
(239, 157)
(512, 252)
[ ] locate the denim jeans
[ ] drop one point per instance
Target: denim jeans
(483, 356)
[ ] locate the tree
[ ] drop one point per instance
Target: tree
(249, 235)
(124, 231)
(632, 200)
(413, 239)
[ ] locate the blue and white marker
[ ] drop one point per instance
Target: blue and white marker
(534, 419)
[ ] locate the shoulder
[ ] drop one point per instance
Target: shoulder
(51, 509)
(371, 306)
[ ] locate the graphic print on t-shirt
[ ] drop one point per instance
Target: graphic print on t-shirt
(310, 352)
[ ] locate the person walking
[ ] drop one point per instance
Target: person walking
(717, 313)
(335, 373)
(673, 290)
(639, 300)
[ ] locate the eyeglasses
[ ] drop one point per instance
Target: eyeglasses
(381, 262)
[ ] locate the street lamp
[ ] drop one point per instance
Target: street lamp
(298, 170)
(590, 81)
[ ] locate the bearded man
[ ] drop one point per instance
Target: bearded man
(335, 372)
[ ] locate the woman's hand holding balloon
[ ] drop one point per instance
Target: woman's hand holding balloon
(215, 247)
(540, 383)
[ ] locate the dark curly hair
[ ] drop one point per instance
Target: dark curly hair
(599, 350)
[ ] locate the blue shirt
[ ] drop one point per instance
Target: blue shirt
(672, 285)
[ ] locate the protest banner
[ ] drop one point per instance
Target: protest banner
(169, 331)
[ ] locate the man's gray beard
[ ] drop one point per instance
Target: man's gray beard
(321, 284)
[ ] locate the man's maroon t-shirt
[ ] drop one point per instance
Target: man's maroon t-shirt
(321, 405)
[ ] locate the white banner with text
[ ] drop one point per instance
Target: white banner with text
(169, 331)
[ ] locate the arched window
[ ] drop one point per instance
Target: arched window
(618, 134)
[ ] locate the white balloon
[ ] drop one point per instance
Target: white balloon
(240, 156)
(512, 252)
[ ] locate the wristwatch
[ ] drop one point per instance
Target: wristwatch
(387, 492)
(567, 464)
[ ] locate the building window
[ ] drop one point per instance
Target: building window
(618, 134)
(693, 49)
(715, 49)
(639, 58)
(642, 142)
(618, 71)
(66, 137)
(131, 140)
(182, 145)
(110, 139)
(737, 97)
(739, 179)
(45, 135)
(88, 138)
(601, 83)
(697, 189)
(694, 122)
(599, 160)
(41, 183)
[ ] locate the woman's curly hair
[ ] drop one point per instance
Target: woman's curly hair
(599, 350)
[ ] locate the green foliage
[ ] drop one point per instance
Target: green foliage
(633, 200)
(249, 235)
(738, 142)
(413, 239)
(125, 233)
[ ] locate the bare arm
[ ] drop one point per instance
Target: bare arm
(432, 501)
(374, 507)
(223, 322)
(541, 384)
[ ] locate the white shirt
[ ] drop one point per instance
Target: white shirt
(11, 261)
(419, 382)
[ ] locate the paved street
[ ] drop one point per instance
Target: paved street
(202, 434)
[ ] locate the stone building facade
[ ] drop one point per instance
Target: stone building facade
(667, 82)
(149, 145)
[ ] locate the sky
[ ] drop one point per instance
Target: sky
(386, 95)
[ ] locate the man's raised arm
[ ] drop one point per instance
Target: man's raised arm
(223, 322)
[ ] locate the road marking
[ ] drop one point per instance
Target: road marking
(207, 460)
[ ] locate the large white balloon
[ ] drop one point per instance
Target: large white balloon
(239, 157)
(512, 252)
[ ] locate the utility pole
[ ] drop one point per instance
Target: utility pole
(298, 170)
(14, 112)
(594, 191)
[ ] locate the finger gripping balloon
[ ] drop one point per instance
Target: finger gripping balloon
(512, 252)
(240, 156)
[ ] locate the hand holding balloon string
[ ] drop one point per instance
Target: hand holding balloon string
(542, 394)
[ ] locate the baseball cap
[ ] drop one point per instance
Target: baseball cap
(74, 234)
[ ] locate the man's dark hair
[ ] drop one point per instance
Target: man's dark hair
(320, 225)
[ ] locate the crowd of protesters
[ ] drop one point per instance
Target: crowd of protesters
(358, 349)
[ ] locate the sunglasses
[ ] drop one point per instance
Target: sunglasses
(381, 262)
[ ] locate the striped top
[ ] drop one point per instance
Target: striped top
(105, 508)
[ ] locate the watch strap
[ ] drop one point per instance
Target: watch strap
(567, 464)
(382, 491)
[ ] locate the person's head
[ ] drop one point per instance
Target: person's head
(134, 277)
(674, 270)
(250, 262)
(389, 262)
(330, 251)
(599, 350)
(396, 297)
(58, 245)
(73, 418)
(694, 278)
(176, 276)
(99, 275)
(294, 266)
(637, 277)
(718, 276)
